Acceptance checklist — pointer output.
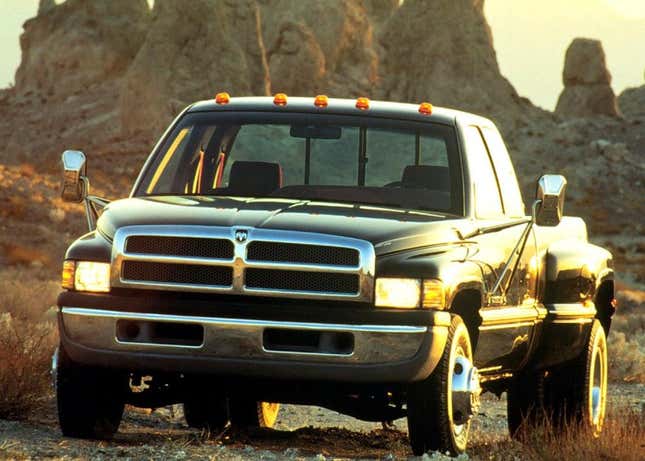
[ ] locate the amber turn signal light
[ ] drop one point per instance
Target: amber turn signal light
(321, 101)
(280, 99)
(362, 103)
(69, 271)
(222, 98)
(425, 108)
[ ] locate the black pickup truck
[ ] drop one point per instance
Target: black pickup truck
(374, 258)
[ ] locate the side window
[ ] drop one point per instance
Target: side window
(162, 179)
(513, 204)
(488, 203)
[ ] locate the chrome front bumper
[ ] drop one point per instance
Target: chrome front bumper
(244, 339)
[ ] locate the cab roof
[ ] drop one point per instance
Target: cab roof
(380, 109)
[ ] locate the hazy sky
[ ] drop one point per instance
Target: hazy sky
(530, 38)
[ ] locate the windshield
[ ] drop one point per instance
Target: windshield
(391, 163)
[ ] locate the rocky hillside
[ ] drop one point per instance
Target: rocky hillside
(107, 77)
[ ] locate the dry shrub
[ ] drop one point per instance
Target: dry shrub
(622, 439)
(626, 341)
(16, 254)
(27, 340)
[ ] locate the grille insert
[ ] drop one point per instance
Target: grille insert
(302, 281)
(190, 274)
(303, 254)
(180, 246)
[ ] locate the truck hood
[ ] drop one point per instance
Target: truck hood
(388, 229)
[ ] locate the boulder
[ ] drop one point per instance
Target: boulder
(632, 101)
(587, 82)
(587, 100)
(585, 64)
(192, 50)
(70, 47)
(441, 51)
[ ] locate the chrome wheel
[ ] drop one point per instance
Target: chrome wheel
(268, 413)
(463, 389)
(597, 393)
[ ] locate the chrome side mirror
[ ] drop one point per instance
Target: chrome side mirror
(549, 200)
(74, 176)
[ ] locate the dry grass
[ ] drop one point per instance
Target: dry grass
(626, 342)
(27, 339)
(622, 438)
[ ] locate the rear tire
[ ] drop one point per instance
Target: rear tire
(525, 403)
(90, 400)
(577, 391)
(431, 423)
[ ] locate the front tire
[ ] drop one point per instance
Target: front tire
(90, 400)
(433, 421)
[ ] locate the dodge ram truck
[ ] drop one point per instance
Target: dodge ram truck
(373, 258)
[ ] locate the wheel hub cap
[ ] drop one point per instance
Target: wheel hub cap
(465, 390)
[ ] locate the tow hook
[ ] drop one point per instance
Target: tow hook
(465, 391)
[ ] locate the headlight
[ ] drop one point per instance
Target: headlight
(402, 293)
(86, 276)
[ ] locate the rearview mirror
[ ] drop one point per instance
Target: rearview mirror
(315, 132)
(550, 194)
(74, 171)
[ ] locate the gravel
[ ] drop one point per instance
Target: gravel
(301, 433)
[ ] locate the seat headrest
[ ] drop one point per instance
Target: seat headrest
(427, 177)
(254, 178)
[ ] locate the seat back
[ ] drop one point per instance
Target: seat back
(427, 177)
(254, 178)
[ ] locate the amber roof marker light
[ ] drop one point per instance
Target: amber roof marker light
(362, 103)
(425, 108)
(280, 99)
(321, 101)
(222, 98)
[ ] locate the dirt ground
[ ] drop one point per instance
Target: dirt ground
(301, 433)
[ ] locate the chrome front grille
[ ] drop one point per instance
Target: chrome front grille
(301, 281)
(180, 246)
(301, 253)
(243, 261)
(192, 274)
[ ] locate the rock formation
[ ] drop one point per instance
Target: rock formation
(330, 39)
(79, 43)
(192, 50)
(587, 82)
(442, 51)
(632, 101)
(44, 6)
(380, 10)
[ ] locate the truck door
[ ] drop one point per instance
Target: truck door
(508, 317)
